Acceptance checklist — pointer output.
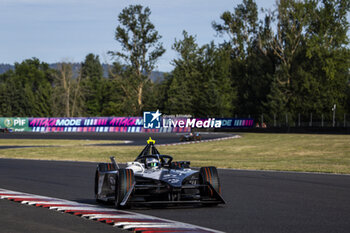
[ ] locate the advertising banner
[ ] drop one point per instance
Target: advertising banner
(120, 124)
(202, 122)
(15, 124)
(96, 124)
(156, 120)
(236, 122)
(86, 122)
(138, 122)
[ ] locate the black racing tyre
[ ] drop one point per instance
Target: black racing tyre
(209, 175)
(97, 177)
(124, 180)
(104, 167)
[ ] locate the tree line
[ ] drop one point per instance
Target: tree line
(294, 60)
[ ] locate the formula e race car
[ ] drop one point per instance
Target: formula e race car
(155, 179)
(5, 130)
(191, 137)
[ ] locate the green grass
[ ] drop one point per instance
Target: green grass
(287, 152)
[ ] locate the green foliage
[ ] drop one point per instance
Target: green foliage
(138, 38)
(296, 60)
(92, 85)
(113, 103)
(140, 48)
(26, 90)
(240, 26)
(200, 84)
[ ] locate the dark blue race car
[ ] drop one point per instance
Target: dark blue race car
(191, 137)
(155, 179)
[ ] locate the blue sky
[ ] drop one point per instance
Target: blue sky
(67, 30)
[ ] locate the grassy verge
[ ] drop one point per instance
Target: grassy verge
(288, 152)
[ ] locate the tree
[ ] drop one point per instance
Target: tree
(66, 97)
(183, 86)
(92, 84)
(157, 97)
(327, 48)
(240, 26)
(123, 89)
(200, 83)
(300, 66)
(288, 42)
(113, 100)
(225, 91)
(250, 63)
(140, 47)
(179, 97)
(313, 57)
(26, 91)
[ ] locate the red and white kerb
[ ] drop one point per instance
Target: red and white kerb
(118, 218)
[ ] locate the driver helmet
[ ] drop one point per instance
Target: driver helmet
(152, 163)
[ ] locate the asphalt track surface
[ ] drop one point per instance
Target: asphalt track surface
(256, 201)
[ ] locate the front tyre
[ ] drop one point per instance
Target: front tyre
(124, 181)
(209, 175)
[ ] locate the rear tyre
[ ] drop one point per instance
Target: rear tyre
(124, 181)
(104, 167)
(209, 175)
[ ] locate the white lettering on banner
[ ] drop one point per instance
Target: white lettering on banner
(199, 124)
(139, 122)
(211, 122)
(165, 123)
(174, 123)
(217, 124)
(206, 124)
(191, 122)
(226, 122)
(19, 122)
(181, 124)
(68, 122)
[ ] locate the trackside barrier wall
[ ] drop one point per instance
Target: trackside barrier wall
(103, 124)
